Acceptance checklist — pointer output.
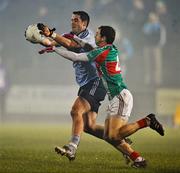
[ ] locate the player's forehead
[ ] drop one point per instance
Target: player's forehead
(76, 17)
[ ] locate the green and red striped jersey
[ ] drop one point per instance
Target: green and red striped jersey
(107, 62)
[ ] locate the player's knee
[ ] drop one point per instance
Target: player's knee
(75, 112)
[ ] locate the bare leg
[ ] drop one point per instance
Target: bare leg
(97, 130)
(116, 128)
(113, 124)
(91, 127)
(79, 108)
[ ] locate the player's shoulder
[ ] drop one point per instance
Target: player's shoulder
(88, 37)
(90, 32)
(86, 34)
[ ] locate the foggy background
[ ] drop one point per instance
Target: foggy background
(42, 88)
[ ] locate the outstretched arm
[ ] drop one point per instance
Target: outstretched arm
(48, 42)
(72, 56)
(71, 41)
(66, 40)
(60, 39)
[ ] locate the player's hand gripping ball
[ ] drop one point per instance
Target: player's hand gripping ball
(33, 33)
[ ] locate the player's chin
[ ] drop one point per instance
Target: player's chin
(74, 29)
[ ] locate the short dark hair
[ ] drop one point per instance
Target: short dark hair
(108, 32)
(83, 15)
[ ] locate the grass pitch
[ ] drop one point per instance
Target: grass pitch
(29, 148)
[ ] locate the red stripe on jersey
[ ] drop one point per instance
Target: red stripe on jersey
(113, 68)
(101, 57)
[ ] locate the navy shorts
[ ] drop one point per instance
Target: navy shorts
(94, 92)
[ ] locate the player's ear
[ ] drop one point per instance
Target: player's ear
(103, 38)
(85, 24)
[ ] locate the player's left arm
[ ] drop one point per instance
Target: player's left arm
(72, 56)
(65, 41)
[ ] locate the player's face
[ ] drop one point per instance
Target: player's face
(77, 24)
(98, 37)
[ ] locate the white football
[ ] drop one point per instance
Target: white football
(32, 34)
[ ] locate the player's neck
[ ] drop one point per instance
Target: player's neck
(102, 44)
(78, 33)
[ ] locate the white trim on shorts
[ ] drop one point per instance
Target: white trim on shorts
(121, 105)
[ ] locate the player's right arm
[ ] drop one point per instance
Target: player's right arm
(62, 40)
(67, 40)
(48, 42)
